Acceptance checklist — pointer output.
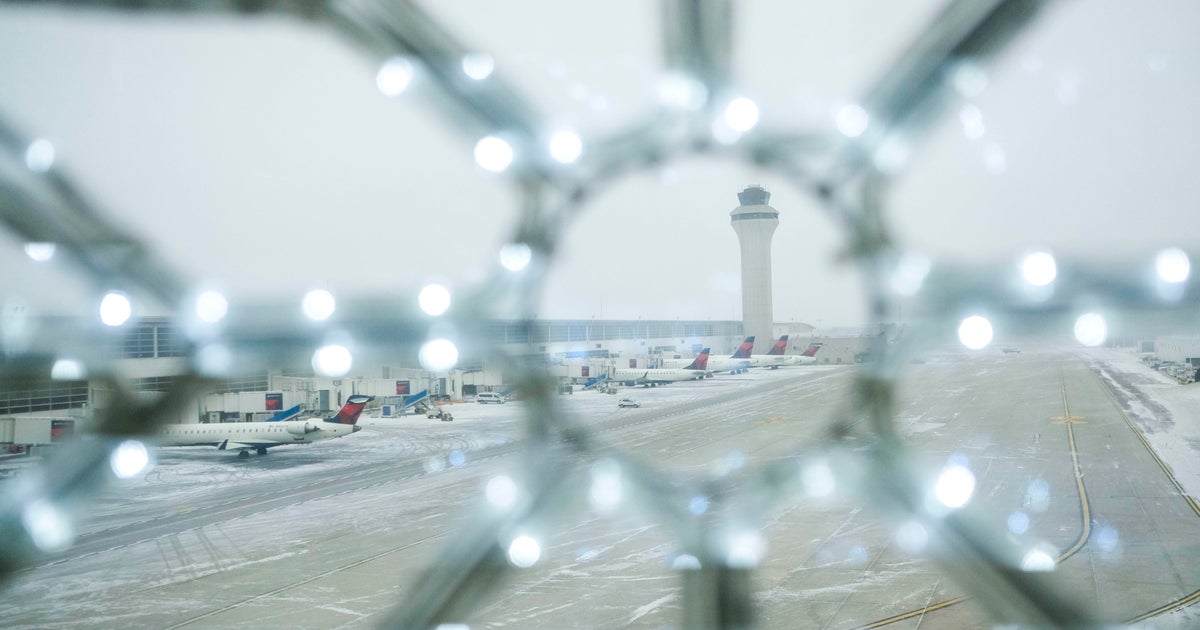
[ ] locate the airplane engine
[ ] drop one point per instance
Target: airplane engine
(297, 428)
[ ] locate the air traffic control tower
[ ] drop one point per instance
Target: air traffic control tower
(755, 222)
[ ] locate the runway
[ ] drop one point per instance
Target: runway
(334, 535)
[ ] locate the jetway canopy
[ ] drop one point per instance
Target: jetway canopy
(34, 431)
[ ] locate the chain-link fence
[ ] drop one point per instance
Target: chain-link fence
(848, 173)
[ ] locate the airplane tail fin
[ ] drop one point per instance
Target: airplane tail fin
(812, 349)
(780, 347)
(701, 361)
(745, 350)
(351, 410)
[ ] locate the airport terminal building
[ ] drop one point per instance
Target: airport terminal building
(152, 352)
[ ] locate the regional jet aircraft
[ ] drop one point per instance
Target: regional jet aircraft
(243, 436)
(773, 358)
(661, 376)
(770, 359)
(808, 356)
(731, 363)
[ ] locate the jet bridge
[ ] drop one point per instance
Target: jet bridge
(35, 431)
(397, 405)
(409, 401)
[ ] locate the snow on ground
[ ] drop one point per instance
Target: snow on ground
(187, 476)
(1166, 412)
(194, 479)
(592, 406)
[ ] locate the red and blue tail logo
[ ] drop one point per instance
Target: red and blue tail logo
(780, 347)
(701, 362)
(744, 351)
(351, 410)
(812, 349)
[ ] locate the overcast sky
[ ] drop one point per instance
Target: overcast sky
(257, 156)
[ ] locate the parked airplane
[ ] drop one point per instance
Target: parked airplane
(697, 369)
(762, 360)
(808, 356)
(774, 357)
(259, 436)
(731, 363)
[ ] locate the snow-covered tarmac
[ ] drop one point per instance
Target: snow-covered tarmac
(334, 534)
(1166, 412)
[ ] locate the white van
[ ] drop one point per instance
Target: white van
(490, 397)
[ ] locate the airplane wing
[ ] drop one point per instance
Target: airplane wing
(645, 379)
(227, 445)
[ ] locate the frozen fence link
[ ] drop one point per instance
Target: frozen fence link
(846, 173)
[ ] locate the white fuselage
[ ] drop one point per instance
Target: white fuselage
(715, 364)
(241, 435)
(656, 375)
(769, 360)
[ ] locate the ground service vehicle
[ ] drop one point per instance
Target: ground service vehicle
(442, 414)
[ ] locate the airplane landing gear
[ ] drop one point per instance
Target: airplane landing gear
(243, 454)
